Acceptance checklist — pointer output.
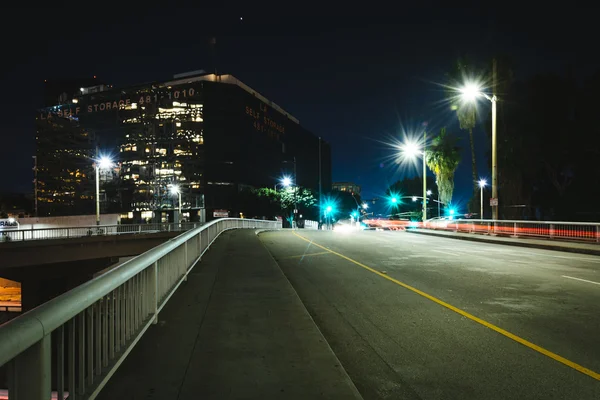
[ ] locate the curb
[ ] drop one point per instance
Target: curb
(522, 243)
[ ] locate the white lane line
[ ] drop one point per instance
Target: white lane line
(447, 252)
(582, 280)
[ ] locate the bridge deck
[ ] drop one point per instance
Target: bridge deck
(236, 329)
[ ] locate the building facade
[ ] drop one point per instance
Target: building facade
(210, 135)
(346, 187)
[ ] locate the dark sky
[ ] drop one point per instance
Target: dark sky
(354, 78)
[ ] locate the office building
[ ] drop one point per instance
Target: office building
(210, 135)
(346, 187)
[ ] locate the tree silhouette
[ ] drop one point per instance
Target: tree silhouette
(443, 157)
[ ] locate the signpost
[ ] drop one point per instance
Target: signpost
(494, 202)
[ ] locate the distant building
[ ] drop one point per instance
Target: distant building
(346, 187)
(209, 134)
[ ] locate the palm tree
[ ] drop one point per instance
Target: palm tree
(465, 111)
(443, 156)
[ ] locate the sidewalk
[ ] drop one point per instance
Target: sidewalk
(547, 244)
(235, 330)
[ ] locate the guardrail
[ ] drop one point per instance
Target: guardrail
(10, 235)
(578, 231)
(74, 343)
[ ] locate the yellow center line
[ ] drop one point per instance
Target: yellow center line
(306, 255)
(457, 310)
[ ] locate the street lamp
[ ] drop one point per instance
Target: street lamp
(176, 190)
(365, 206)
(482, 183)
(286, 181)
(470, 93)
(102, 163)
(413, 150)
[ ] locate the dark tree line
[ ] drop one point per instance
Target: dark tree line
(548, 145)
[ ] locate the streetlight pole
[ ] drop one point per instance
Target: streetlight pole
(101, 163)
(97, 194)
(35, 186)
(481, 201)
(494, 148)
(424, 177)
(482, 183)
(179, 203)
(295, 195)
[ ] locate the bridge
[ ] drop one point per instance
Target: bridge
(267, 313)
(50, 261)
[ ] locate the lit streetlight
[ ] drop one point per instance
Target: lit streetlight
(102, 163)
(482, 183)
(365, 206)
(413, 150)
(470, 93)
(286, 181)
(176, 190)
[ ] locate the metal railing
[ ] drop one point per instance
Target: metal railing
(94, 230)
(577, 231)
(75, 342)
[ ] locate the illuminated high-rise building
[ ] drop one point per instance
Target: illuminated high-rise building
(211, 135)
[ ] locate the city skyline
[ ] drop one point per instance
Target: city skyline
(357, 106)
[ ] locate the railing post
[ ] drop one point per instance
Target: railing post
(31, 372)
(597, 233)
(551, 231)
(154, 291)
(515, 229)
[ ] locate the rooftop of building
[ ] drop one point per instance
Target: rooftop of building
(196, 76)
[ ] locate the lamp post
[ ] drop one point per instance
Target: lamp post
(102, 163)
(482, 183)
(176, 190)
(470, 92)
(413, 150)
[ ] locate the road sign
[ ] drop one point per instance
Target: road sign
(9, 223)
(493, 202)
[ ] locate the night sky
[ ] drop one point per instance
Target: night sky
(356, 80)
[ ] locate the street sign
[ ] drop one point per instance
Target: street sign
(220, 213)
(9, 223)
(493, 202)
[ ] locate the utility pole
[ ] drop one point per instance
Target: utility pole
(494, 147)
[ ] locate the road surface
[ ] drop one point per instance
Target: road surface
(420, 317)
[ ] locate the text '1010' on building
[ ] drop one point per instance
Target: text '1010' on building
(210, 135)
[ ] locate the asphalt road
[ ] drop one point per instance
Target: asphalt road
(421, 317)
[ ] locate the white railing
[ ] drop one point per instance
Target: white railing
(75, 342)
(10, 235)
(578, 231)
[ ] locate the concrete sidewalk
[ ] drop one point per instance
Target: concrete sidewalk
(547, 244)
(235, 330)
